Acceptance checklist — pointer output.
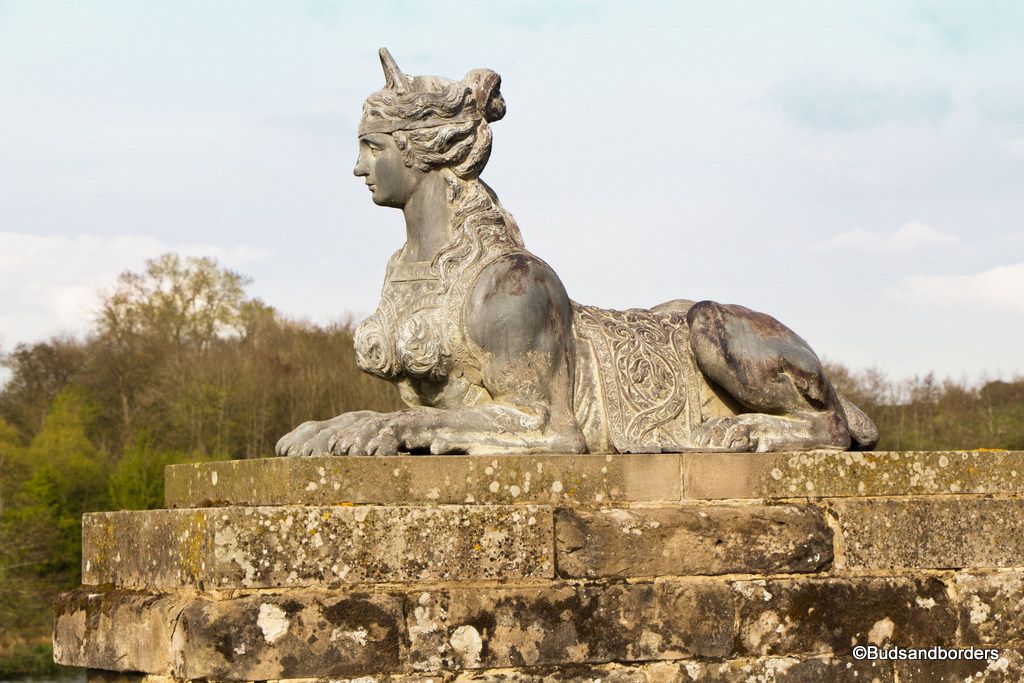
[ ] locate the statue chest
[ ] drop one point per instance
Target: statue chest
(413, 330)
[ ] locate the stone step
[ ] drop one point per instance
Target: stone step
(283, 546)
(710, 628)
(271, 547)
(590, 479)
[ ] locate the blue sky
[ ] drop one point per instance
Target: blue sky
(855, 169)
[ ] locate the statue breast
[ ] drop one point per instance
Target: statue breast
(410, 332)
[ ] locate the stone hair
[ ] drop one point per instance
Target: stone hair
(459, 150)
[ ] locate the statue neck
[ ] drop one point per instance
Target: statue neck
(426, 219)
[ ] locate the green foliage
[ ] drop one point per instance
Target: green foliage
(137, 482)
(69, 471)
(14, 467)
(66, 476)
(14, 470)
(38, 373)
(35, 660)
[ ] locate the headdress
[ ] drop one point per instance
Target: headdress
(414, 102)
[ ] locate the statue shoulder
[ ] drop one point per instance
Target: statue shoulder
(517, 293)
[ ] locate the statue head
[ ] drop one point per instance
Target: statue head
(436, 122)
(419, 125)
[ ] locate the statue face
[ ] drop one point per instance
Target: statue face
(391, 182)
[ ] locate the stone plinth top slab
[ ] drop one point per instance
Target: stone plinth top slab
(828, 474)
(568, 480)
(401, 480)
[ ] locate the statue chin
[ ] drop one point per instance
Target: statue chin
(492, 356)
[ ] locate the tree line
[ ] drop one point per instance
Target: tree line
(929, 414)
(182, 366)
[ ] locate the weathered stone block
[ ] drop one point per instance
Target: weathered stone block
(830, 473)
(831, 615)
(691, 539)
(763, 670)
(991, 607)
(1007, 668)
(105, 676)
(787, 670)
(667, 630)
(116, 629)
(655, 672)
(297, 634)
(293, 546)
(405, 480)
(570, 624)
(931, 533)
(101, 676)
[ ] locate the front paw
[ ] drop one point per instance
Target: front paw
(381, 435)
(359, 437)
(292, 443)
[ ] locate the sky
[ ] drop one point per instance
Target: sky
(854, 169)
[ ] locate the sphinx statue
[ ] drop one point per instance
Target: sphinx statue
(491, 355)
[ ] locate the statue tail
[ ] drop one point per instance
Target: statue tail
(862, 429)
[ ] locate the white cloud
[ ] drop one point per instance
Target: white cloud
(909, 238)
(52, 282)
(998, 290)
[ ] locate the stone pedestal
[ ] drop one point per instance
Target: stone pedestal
(693, 567)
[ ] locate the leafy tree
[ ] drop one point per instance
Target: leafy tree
(38, 373)
(184, 302)
(137, 482)
(154, 325)
(13, 465)
(69, 477)
(14, 471)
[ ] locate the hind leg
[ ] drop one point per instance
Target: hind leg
(772, 372)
